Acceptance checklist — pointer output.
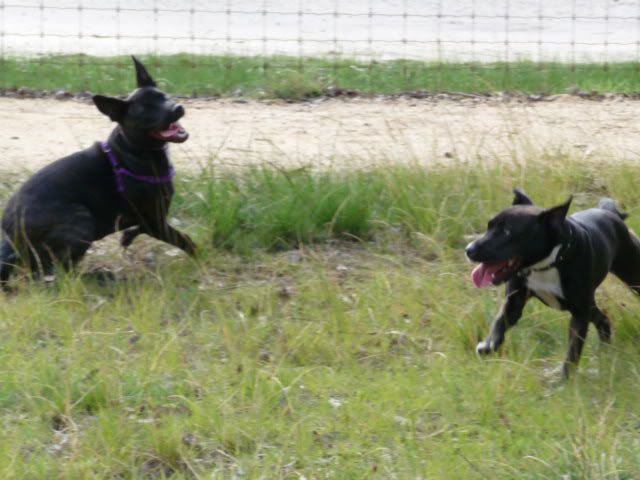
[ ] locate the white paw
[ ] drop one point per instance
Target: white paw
(484, 347)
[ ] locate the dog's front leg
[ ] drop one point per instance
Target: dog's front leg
(170, 235)
(129, 235)
(578, 328)
(517, 295)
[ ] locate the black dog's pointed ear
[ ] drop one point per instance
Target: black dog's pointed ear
(112, 107)
(142, 76)
(521, 198)
(556, 215)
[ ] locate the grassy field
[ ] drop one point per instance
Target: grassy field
(294, 78)
(326, 331)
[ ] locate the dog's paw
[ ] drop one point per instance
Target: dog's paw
(485, 347)
(554, 376)
(192, 249)
(128, 236)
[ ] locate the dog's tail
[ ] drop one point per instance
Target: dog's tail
(611, 205)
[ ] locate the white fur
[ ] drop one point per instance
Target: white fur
(484, 347)
(548, 260)
(547, 284)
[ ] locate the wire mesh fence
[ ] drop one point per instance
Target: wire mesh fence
(250, 44)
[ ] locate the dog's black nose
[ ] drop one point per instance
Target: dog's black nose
(471, 250)
(178, 111)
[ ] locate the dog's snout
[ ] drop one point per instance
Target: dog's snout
(178, 111)
(471, 250)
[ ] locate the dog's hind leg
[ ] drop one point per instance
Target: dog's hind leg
(626, 265)
(602, 324)
(67, 242)
(8, 259)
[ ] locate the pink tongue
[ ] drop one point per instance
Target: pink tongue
(173, 129)
(483, 273)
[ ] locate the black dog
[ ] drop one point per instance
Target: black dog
(559, 260)
(124, 183)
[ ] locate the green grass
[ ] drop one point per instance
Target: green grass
(273, 209)
(294, 78)
(351, 356)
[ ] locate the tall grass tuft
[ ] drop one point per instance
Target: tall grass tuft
(278, 209)
(273, 208)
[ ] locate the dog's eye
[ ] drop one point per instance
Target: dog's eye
(507, 232)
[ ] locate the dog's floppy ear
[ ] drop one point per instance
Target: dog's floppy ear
(142, 76)
(112, 107)
(521, 198)
(556, 215)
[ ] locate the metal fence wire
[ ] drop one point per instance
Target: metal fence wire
(468, 33)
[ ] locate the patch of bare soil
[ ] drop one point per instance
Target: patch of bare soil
(341, 132)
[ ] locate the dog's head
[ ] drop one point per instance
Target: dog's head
(518, 237)
(148, 116)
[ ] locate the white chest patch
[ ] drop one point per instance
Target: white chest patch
(546, 284)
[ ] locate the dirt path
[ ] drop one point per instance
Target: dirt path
(341, 132)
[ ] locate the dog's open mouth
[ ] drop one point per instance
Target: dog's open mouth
(174, 133)
(494, 273)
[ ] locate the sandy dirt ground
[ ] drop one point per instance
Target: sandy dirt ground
(344, 133)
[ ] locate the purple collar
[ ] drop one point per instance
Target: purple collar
(120, 171)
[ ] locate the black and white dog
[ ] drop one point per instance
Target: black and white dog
(560, 260)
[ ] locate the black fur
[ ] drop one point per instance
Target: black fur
(59, 211)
